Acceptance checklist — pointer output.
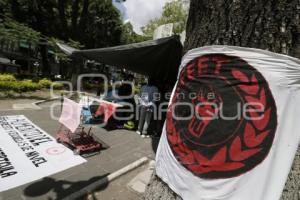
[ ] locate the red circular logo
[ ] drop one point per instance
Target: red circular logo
(56, 150)
(222, 119)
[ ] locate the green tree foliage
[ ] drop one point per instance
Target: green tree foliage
(93, 23)
(129, 36)
(173, 12)
(103, 25)
(3, 6)
(15, 31)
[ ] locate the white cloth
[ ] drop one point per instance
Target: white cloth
(27, 153)
(70, 115)
(266, 181)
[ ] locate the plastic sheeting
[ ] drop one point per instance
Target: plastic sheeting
(157, 58)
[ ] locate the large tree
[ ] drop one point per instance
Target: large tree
(272, 25)
(94, 23)
(129, 36)
(173, 12)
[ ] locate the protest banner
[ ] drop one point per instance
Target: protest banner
(27, 153)
(232, 127)
(70, 115)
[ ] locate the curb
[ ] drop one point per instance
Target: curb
(56, 98)
(46, 100)
(37, 103)
(107, 179)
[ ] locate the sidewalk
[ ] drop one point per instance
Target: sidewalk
(125, 147)
(130, 186)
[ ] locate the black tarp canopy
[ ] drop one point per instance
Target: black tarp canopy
(156, 58)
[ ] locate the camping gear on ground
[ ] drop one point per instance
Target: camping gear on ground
(89, 109)
(232, 127)
(120, 109)
(73, 132)
(106, 109)
(82, 142)
(129, 125)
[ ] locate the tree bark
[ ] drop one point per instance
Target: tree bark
(63, 18)
(77, 68)
(84, 16)
(272, 25)
(46, 68)
(74, 18)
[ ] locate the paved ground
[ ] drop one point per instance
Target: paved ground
(125, 148)
(119, 188)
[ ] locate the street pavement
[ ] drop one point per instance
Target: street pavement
(125, 147)
(130, 186)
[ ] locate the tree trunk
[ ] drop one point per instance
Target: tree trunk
(74, 17)
(272, 25)
(46, 68)
(77, 69)
(84, 17)
(63, 18)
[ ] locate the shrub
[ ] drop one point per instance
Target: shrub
(19, 86)
(93, 86)
(136, 89)
(10, 83)
(24, 86)
(28, 85)
(57, 86)
(45, 83)
(7, 77)
(4, 85)
(36, 79)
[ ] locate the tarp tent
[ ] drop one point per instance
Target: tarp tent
(157, 58)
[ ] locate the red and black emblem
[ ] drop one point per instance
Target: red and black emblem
(222, 119)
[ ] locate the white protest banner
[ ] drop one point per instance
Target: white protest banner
(70, 115)
(162, 31)
(232, 127)
(27, 153)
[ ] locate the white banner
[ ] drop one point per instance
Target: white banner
(162, 31)
(70, 115)
(27, 153)
(232, 127)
